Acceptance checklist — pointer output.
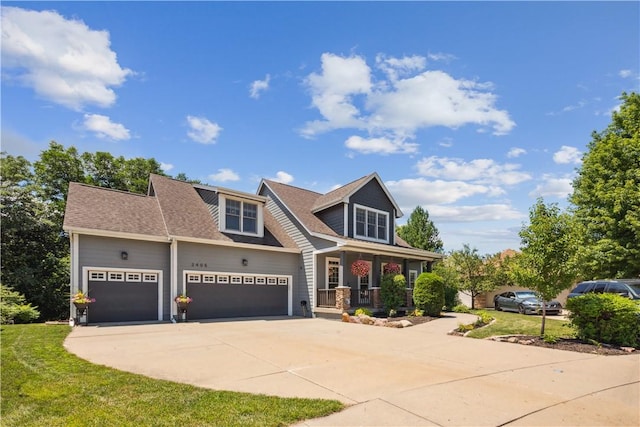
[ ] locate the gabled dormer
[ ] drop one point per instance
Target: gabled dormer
(235, 212)
(363, 209)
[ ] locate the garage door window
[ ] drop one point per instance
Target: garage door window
(208, 278)
(115, 276)
(261, 281)
(236, 280)
(150, 277)
(98, 275)
(193, 278)
(134, 277)
(223, 279)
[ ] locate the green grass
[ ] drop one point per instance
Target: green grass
(516, 324)
(44, 385)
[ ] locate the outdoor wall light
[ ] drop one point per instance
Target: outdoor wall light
(245, 262)
(124, 255)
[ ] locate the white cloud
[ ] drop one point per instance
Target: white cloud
(397, 67)
(282, 177)
(553, 187)
(224, 175)
(203, 130)
(489, 212)
(400, 104)
(567, 154)
(63, 60)
(259, 86)
(166, 166)
(103, 127)
(413, 191)
(332, 92)
(625, 74)
(516, 152)
(439, 56)
(480, 171)
(379, 145)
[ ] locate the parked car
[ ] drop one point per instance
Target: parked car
(524, 302)
(629, 288)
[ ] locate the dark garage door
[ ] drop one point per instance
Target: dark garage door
(212, 301)
(120, 300)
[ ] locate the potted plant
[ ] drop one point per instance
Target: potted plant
(183, 301)
(391, 268)
(81, 300)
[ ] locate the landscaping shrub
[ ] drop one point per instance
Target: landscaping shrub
(428, 294)
(363, 311)
(393, 291)
(13, 308)
(461, 308)
(607, 318)
(451, 298)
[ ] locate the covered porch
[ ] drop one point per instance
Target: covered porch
(338, 289)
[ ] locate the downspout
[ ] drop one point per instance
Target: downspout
(173, 312)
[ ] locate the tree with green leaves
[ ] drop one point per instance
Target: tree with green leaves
(470, 269)
(545, 263)
(35, 251)
(420, 232)
(606, 197)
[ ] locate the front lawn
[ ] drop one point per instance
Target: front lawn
(44, 385)
(520, 324)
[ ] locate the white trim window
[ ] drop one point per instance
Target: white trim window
(261, 280)
(223, 279)
(134, 277)
(370, 224)
(332, 273)
(248, 280)
(193, 278)
(413, 275)
(150, 277)
(236, 280)
(116, 276)
(98, 275)
(272, 281)
(208, 278)
(241, 217)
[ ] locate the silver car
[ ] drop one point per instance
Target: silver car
(524, 302)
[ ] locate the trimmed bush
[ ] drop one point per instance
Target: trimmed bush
(451, 298)
(363, 311)
(606, 318)
(428, 294)
(461, 308)
(393, 291)
(14, 309)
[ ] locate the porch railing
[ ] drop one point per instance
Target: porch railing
(361, 298)
(326, 298)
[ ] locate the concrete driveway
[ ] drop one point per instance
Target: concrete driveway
(418, 376)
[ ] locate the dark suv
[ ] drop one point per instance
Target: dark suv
(626, 287)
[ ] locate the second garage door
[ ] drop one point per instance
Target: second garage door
(218, 295)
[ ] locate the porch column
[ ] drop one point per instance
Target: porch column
(375, 265)
(343, 298)
(343, 262)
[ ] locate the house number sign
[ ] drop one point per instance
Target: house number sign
(199, 264)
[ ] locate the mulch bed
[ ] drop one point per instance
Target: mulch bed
(561, 344)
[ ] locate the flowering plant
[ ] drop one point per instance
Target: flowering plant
(391, 268)
(81, 298)
(360, 268)
(183, 299)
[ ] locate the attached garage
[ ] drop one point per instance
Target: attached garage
(123, 296)
(217, 295)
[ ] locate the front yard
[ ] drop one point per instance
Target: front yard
(44, 385)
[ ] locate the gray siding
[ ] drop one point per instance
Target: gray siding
(205, 258)
(105, 252)
(303, 291)
(372, 196)
(210, 199)
(334, 218)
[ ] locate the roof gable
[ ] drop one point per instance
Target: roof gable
(342, 194)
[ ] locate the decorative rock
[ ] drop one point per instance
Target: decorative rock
(525, 342)
(366, 320)
(346, 317)
(405, 323)
(380, 322)
(512, 339)
(628, 349)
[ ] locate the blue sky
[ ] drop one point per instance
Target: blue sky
(471, 110)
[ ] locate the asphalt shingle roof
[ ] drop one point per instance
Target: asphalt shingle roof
(96, 208)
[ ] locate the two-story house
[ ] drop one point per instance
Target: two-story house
(235, 254)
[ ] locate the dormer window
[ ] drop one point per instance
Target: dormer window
(371, 224)
(240, 216)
